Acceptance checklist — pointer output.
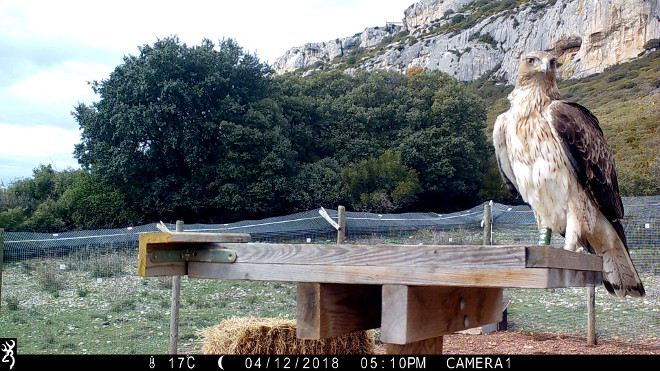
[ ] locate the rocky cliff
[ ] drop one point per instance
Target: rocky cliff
(467, 38)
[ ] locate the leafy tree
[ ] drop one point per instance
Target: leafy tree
(435, 125)
(317, 184)
(31, 203)
(53, 201)
(187, 132)
(381, 184)
(450, 150)
(11, 219)
(89, 203)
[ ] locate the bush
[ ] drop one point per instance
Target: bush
(13, 302)
(49, 279)
(381, 184)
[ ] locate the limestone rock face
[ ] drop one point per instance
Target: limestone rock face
(468, 38)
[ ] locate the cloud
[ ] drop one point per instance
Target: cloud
(25, 148)
(37, 141)
(64, 85)
(51, 49)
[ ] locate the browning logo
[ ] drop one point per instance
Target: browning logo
(8, 348)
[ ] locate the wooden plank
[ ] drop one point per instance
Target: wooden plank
(390, 255)
(426, 346)
(414, 313)
(380, 275)
(195, 237)
(168, 240)
(326, 310)
(484, 266)
(552, 257)
(409, 255)
(558, 278)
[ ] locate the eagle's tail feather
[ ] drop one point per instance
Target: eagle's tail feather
(620, 277)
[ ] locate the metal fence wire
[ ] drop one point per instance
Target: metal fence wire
(79, 292)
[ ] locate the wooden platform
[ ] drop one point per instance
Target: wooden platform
(414, 293)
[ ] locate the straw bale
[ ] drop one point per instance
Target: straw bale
(252, 335)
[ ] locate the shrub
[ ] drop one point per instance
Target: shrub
(49, 279)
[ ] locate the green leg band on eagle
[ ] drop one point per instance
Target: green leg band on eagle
(545, 234)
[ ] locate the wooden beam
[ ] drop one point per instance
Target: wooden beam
(149, 242)
(390, 255)
(426, 265)
(552, 257)
(382, 275)
(326, 310)
(414, 313)
(408, 255)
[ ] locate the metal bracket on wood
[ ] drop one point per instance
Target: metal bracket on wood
(194, 255)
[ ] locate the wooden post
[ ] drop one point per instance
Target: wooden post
(328, 309)
(174, 310)
(591, 315)
(2, 248)
(341, 232)
(487, 226)
(414, 313)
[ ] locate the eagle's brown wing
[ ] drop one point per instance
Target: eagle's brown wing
(592, 163)
(590, 157)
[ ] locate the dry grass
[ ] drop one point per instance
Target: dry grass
(277, 336)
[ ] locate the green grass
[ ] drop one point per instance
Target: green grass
(128, 314)
(564, 312)
(123, 313)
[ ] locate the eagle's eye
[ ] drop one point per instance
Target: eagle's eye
(530, 60)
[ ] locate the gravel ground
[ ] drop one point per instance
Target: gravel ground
(514, 342)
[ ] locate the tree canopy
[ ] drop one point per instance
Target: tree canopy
(206, 134)
(187, 132)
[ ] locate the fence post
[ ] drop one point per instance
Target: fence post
(487, 225)
(174, 310)
(341, 219)
(2, 251)
(591, 315)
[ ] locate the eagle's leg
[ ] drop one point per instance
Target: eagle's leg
(571, 234)
(545, 234)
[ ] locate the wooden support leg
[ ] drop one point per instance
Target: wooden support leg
(414, 313)
(326, 310)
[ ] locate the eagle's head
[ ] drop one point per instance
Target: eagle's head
(538, 65)
(538, 69)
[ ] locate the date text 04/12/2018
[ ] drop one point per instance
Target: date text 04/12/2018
(291, 362)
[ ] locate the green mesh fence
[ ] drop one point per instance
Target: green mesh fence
(79, 292)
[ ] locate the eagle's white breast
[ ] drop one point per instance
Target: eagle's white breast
(539, 165)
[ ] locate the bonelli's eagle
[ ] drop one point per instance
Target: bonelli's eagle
(553, 154)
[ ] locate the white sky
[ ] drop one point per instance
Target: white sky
(50, 50)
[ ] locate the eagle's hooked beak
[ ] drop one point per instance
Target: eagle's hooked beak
(545, 66)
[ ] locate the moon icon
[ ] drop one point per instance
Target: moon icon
(220, 362)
